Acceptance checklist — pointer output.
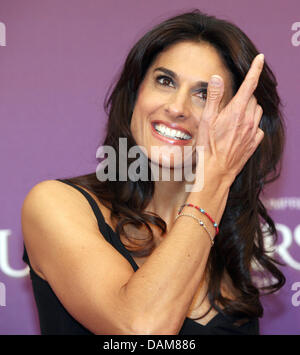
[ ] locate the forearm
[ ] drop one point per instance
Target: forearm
(162, 289)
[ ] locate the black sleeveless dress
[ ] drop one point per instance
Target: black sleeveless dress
(54, 318)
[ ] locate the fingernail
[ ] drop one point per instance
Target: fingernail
(216, 80)
(261, 57)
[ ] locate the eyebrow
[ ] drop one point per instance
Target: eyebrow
(201, 83)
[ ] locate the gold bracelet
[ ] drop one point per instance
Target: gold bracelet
(202, 224)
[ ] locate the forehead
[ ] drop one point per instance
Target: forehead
(193, 62)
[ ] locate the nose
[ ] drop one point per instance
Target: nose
(178, 105)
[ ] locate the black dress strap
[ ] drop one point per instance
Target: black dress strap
(100, 219)
(111, 236)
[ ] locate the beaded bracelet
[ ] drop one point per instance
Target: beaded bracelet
(202, 211)
(200, 222)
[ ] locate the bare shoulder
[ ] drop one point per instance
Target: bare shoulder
(51, 191)
(54, 213)
(53, 202)
(66, 248)
(50, 205)
(50, 197)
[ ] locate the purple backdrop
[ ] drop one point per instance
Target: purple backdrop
(57, 59)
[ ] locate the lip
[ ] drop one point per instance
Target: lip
(166, 139)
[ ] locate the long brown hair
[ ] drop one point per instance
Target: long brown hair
(240, 243)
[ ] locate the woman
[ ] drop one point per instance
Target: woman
(153, 257)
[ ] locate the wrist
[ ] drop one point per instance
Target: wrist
(212, 198)
(211, 184)
(210, 176)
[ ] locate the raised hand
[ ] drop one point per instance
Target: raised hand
(232, 135)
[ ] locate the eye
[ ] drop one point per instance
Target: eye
(203, 94)
(164, 80)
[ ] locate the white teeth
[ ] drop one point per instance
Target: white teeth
(162, 128)
(172, 133)
(168, 132)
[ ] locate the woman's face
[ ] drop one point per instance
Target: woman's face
(171, 99)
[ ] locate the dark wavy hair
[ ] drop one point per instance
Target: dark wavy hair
(240, 243)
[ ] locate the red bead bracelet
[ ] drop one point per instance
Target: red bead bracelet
(202, 211)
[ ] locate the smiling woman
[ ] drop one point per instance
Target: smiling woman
(169, 107)
(148, 257)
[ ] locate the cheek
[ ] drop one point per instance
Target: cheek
(139, 118)
(135, 126)
(197, 105)
(147, 103)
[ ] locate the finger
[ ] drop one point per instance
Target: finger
(250, 114)
(215, 91)
(258, 115)
(249, 84)
(258, 137)
(257, 118)
(251, 107)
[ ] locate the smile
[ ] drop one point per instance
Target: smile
(165, 131)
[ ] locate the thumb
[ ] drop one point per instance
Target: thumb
(215, 91)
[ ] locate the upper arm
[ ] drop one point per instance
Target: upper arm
(85, 272)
